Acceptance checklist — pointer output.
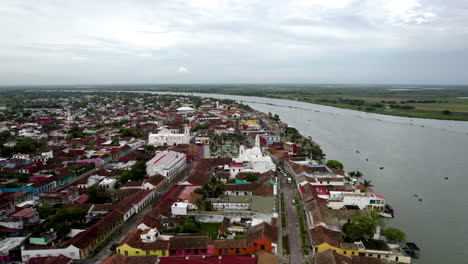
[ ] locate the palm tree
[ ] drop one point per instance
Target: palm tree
(366, 184)
(356, 174)
(200, 204)
(214, 187)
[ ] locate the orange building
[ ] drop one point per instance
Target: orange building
(260, 238)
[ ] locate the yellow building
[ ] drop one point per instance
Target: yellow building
(249, 122)
(324, 239)
(143, 243)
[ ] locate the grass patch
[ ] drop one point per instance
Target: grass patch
(239, 236)
(210, 228)
(283, 212)
(285, 245)
(302, 227)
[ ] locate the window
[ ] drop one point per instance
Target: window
(195, 251)
(126, 253)
(237, 251)
(344, 252)
(262, 247)
(220, 252)
(137, 252)
(352, 253)
(147, 253)
(163, 253)
(226, 251)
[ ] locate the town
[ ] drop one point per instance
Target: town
(116, 177)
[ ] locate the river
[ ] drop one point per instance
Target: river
(417, 155)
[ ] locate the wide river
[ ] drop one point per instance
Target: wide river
(417, 155)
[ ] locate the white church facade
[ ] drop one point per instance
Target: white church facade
(170, 137)
(251, 160)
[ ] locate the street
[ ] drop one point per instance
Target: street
(292, 228)
(131, 224)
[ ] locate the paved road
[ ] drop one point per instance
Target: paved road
(131, 224)
(292, 229)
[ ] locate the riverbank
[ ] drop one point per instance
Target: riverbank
(425, 102)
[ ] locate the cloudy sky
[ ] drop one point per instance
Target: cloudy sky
(239, 41)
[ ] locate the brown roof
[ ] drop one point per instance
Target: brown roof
(192, 241)
(267, 258)
(321, 213)
(230, 243)
(156, 179)
(133, 240)
(369, 260)
(348, 214)
(119, 259)
(133, 184)
(331, 257)
(204, 169)
(224, 225)
(322, 235)
(263, 230)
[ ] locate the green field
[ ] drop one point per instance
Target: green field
(211, 228)
(441, 102)
(436, 102)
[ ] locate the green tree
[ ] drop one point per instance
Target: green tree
(356, 174)
(97, 195)
(203, 205)
(394, 234)
(45, 210)
(334, 164)
(214, 187)
(75, 132)
(27, 145)
(366, 184)
(250, 177)
(4, 135)
(360, 227)
(188, 224)
(136, 173)
(62, 229)
(148, 147)
(127, 132)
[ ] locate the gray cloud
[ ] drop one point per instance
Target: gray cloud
(378, 41)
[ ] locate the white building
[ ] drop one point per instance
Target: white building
(251, 160)
(185, 109)
(108, 183)
(167, 163)
(179, 208)
(170, 137)
(339, 199)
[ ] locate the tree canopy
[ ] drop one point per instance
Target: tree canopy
(212, 189)
(250, 177)
(136, 173)
(188, 224)
(45, 210)
(394, 234)
(97, 195)
(335, 164)
(360, 227)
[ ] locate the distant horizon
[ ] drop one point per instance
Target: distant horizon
(322, 85)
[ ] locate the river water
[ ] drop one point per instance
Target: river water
(417, 155)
